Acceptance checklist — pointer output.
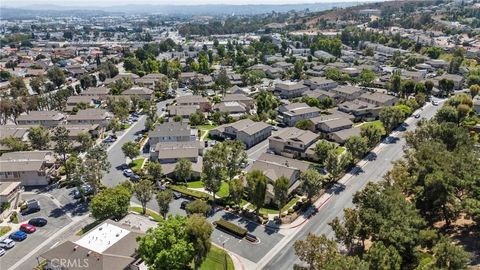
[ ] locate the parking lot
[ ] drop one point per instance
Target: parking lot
(253, 252)
(57, 219)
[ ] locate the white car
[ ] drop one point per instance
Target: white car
(7, 243)
(2, 252)
(127, 172)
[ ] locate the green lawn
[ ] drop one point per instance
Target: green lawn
(223, 192)
(151, 213)
(216, 260)
(195, 184)
(4, 230)
(266, 211)
(137, 164)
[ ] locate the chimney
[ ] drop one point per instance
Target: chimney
(75, 248)
(89, 252)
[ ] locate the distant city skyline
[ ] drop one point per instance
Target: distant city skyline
(106, 3)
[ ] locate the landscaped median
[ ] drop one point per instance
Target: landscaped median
(217, 259)
(230, 228)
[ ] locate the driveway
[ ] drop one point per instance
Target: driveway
(57, 219)
(253, 252)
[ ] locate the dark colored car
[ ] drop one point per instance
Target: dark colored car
(183, 205)
(134, 177)
(18, 236)
(176, 195)
(32, 207)
(38, 222)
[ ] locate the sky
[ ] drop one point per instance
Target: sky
(96, 3)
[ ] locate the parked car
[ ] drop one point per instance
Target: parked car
(435, 103)
(18, 236)
(176, 195)
(85, 188)
(38, 222)
(28, 228)
(417, 115)
(109, 140)
(124, 166)
(7, 243)
(2, 252)
(127, 172)
(32, 206)
(135, 177)
(183, 205)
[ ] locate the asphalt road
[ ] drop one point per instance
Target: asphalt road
(115, 154)
(342, 196)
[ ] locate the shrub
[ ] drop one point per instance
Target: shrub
(4, 206)
(14, 217)
(230, 227)
(290, 211)
(191, 193)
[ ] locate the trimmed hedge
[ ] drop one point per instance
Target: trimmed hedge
(192, 193)
(230, 227)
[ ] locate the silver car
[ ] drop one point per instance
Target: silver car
(7, 243)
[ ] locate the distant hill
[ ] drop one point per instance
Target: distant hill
(20, 13)
(212, 10)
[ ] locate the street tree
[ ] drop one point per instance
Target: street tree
(316, 251)
(311, 182)
(236, 157)
(391, 117)
(111, 202)
(56, 76)
(39, 137)
(63, 145)
(199, 231)
(143, 191)
(131, 150)
(85, 140)
(235, 190)
(357, 146)
(346, 232)
(214, 169)
(167, 246)
(164, 198)
(257, 187)
(381, 257)
(336, 163)
(14, 144)
(183, 170)
(321, 150)
(372, 132)
(154, 169)
(280, 192)
(198, 207)
(96, 164)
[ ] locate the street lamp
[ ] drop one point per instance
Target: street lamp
(225, 257)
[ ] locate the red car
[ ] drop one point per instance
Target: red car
(27, 228)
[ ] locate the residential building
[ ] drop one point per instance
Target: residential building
(142, 92)
(248, 102)
(170, 153)
(342, 136)
(31, 168)
(292, 142)
(197, 100)
(183, 111)
(458, 80)
(291, 90)
(378, 99)
(359, 109)
(292, 113)
(99, 117)
(98, 92)
(171, 132)
(274, 167)
(347, 92)
(10, 193)
(320, 83)
(333, 125)
(89, 101)
(49, 119)
(245, 130)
